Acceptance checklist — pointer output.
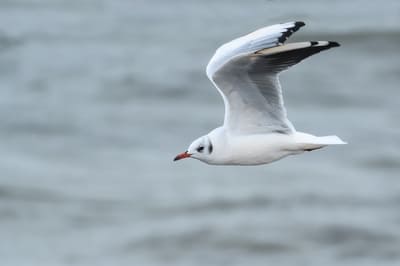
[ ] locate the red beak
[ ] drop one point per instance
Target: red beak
(182, 156)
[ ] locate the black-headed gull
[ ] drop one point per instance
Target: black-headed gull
(256, 129)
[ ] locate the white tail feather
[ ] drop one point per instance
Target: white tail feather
(309, 142)
(329, 140)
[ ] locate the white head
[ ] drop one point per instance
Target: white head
(201, 149)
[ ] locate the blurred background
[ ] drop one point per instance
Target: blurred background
(97, 97)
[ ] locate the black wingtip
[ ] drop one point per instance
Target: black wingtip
(299, 24)
(290, 31)
(333, 44)
(328, 44)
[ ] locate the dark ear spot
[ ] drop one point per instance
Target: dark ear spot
(210, 148)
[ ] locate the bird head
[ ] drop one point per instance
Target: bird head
(200, 149)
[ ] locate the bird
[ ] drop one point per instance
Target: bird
(256, 129)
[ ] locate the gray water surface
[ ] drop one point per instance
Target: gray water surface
(97, 97)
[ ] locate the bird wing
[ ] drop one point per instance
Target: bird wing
(245, 72)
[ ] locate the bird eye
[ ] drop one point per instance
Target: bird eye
(200, 149)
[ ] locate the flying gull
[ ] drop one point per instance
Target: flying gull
(256, 129)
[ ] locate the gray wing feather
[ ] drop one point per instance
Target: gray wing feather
(251, 86)
(255, 103)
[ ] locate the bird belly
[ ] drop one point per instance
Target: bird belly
(264, 157)
(260, 149)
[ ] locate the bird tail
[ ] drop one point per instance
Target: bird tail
(309, 142)
(329, 140)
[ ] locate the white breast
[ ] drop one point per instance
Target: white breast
(254, 149)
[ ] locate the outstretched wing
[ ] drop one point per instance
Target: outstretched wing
(245, 71)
